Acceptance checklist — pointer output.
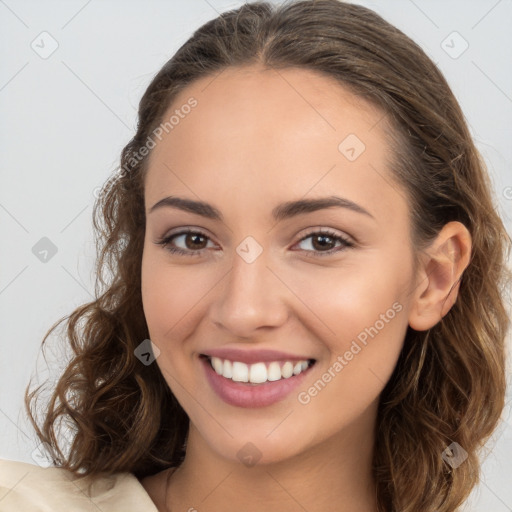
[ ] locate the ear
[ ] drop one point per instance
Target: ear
(438, 277)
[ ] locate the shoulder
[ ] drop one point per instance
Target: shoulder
(32, 488)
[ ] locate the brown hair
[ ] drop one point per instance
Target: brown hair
(449, 382)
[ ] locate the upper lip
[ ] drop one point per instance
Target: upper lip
(253, 356)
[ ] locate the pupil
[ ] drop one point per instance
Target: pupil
(323, 237)
(195, 237)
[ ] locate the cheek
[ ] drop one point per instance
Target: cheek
(165, 305)
(353, 297)
(348, 385)
(156, 298)
(364, 313)
(169, 294)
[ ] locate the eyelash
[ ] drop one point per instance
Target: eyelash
(165, 242)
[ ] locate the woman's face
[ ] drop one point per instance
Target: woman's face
(260, 287)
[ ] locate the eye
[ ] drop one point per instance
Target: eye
(325, 238)
(196, 239)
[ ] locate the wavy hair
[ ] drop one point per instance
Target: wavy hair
(449, 382)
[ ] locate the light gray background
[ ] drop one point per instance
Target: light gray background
(65, 118)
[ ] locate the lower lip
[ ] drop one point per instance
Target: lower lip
(243, 394)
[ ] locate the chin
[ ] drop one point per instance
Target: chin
(251, 447)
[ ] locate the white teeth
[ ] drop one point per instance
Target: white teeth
(217, 365)
(228, 369)
(287, 370)
(257, 373)
(240, 372)
(274, 371)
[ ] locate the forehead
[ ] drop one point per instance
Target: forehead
(272, 135)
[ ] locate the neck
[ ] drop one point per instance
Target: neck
(335, 474)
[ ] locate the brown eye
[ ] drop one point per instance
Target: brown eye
(195, 239)
(194, 242)
(323, 243)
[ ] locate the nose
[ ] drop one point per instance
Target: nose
(251, 297)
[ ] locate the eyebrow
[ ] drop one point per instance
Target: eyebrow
(281, 212)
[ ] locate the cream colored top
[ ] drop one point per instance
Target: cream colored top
(30, 488)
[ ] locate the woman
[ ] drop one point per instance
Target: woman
(306, 304)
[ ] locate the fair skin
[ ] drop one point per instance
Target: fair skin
(256, 139)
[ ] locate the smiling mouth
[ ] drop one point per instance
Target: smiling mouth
(258, 373)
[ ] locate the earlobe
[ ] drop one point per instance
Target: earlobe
(439, 275)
